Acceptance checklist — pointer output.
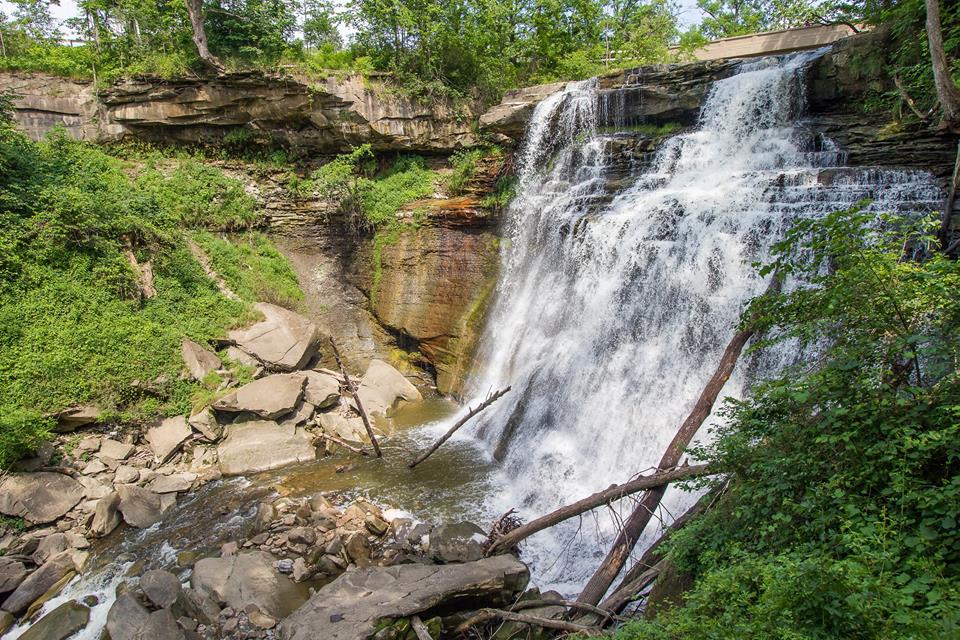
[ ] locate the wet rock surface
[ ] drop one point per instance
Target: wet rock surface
(350, 607)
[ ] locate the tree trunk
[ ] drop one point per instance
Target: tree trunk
(947, 91)
(195, 9)
(598, 499)
(632, 529)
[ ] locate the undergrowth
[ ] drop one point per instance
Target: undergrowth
(75, 325)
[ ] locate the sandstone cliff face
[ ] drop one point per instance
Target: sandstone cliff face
(435, 282)
(324, 116)
(426, 292)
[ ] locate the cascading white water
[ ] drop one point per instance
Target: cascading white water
(611, 314)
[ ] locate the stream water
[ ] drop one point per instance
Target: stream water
(620, 286)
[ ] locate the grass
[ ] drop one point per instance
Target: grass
(463, 165)
(253, 268)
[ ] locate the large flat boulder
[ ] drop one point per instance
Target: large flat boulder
(283, 340)
(261, 445)
(269, 397)
(248, 578)
(59, 624)
(39, 497)
(383, 387)
(200, 362)
(165, 439)
(350, 607)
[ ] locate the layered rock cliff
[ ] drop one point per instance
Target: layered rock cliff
(308, 116)
(423, 288)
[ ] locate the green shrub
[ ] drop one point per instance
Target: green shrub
(373, 199)
(74, 327)
(463, 165)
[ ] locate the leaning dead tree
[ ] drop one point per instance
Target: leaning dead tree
(598, 499)
(600, 582)
(462, 421)
(356, 398)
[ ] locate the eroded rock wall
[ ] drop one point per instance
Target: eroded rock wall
(310, 116)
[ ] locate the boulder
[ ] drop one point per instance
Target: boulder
(93, 467)
(350, 607)
(72, 419)
(242, 357)
(39, 582)
(269, 397)
(94, 489)
(283, 340)
(50, 546)
(261, 445)
(322, 390)
(129, 620)
(140, 507)
(459, 542)
(12, 573)
(161, 587)
(166, 438)
(173, 483)
(347, 428)
(59, 624)
(106, 516)
(126, 475)
(383, 386)
(39, 497)
(116, 450)
(199, 361)
(206, 424)
(248, 578)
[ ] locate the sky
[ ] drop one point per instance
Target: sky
(687, 12)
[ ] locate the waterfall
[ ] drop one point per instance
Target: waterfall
(618, 295)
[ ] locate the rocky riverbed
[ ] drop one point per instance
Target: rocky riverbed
(223, 523)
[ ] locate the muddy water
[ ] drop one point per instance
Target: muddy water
(452, 485)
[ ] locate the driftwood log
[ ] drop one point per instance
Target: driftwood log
(600, 582)
(462, 421)
(611, 494)
(343, 443)
(420, 629)
(352, 388)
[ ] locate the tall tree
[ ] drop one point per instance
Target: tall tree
(195, 9)
(947, 90)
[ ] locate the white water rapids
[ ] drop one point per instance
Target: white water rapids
(611, 314)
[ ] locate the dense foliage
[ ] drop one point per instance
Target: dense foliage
(841, 519)
(75, 324)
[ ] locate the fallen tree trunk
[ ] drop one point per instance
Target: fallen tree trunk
(484, 615)
(356, 398)
(642, 573)
(462, 421)
(632, 529)
(343, 443)
(611, 494)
